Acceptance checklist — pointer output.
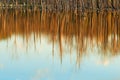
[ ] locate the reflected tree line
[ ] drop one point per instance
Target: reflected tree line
(63, 5)
(66, 29)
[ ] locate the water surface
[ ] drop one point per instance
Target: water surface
(38, 45)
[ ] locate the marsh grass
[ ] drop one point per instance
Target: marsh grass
(62, 5)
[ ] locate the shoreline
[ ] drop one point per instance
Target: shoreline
(64, 5)
(40, 8)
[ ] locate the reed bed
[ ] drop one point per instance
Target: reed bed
(62, 5)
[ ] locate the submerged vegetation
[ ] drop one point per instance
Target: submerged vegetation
(62, 5)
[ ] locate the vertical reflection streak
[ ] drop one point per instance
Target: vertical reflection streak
(75, 31)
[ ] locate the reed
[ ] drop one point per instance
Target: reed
(62, 5)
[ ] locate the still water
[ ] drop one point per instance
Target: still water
(38, 45)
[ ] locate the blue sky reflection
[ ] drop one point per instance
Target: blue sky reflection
(19, 62)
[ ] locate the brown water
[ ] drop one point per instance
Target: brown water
(38, 45)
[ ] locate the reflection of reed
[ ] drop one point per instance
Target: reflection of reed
(75, 30)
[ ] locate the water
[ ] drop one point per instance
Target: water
(59, 46)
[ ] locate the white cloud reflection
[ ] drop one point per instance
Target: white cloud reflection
(104, 62)
(1, 66)
(41, 74)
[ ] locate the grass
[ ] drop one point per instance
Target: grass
(63, 5)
